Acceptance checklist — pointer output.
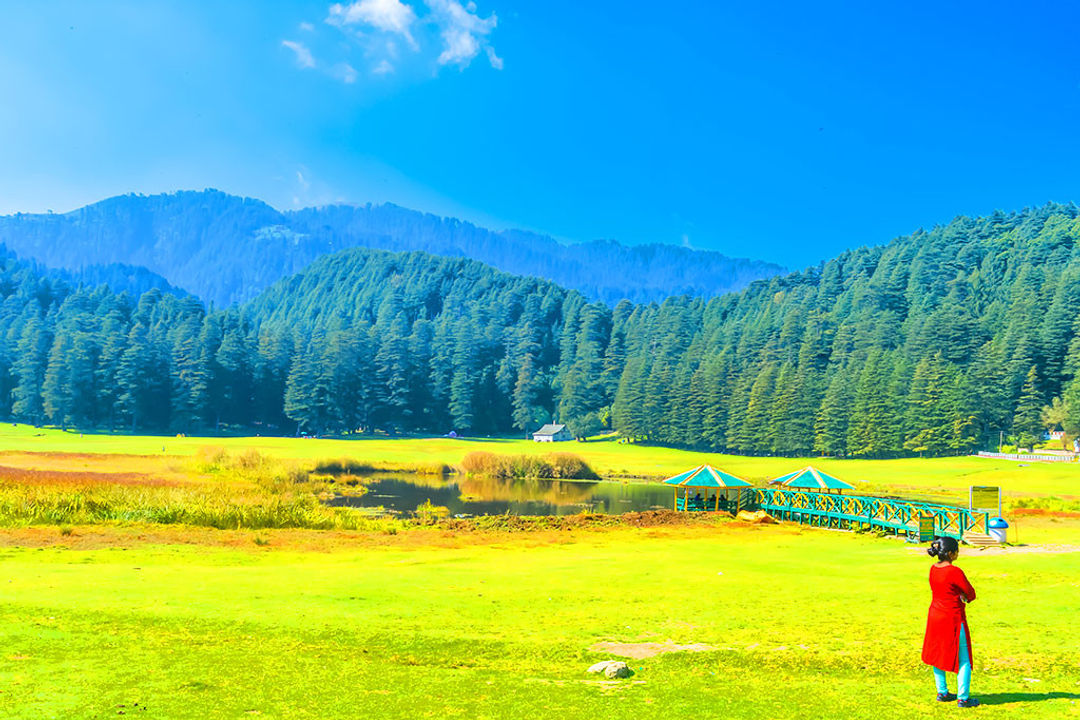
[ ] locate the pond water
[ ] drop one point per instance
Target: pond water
(489, 496)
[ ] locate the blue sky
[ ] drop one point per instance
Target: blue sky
(783, 131)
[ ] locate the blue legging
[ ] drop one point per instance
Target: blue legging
(963, 677)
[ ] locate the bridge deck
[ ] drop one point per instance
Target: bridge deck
(892, 515)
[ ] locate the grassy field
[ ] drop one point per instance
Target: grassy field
(127, 587)
(944, 477)
(804, 624)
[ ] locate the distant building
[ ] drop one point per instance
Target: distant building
(552, 433)
(1053, 435)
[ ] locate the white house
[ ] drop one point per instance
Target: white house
(552, 433)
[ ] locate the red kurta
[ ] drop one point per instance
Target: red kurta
(941, 646)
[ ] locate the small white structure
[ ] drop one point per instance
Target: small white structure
(552, 433)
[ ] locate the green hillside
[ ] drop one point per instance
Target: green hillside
(937, 343)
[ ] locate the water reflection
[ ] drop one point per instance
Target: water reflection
(491, 496)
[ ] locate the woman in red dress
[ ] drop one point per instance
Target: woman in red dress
(947, 645)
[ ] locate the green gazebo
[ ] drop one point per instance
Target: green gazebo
(706, 478)
(810, 478)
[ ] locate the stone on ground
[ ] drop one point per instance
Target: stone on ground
(612, 669)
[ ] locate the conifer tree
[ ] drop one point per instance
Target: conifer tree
(28, 367)
(133, 378)
(929, 427)
(1027, 423)
(833, 419)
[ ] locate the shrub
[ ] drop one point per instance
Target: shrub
(429, 512)
(433, 470)
(343, 466)
(480, 463)
(568, 465)
(561, 466)
(211, 459)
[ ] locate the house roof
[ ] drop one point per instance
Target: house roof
(550, 429)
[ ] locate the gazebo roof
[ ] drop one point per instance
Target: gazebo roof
(811, 478)
(706, 476)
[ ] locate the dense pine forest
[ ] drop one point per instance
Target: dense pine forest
(932, 344)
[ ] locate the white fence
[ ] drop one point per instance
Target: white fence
(1030, 457)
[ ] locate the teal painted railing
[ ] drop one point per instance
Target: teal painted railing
(821, 509)
(853, 511)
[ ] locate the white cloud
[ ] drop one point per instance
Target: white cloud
(346, 73)
(304, 57)
(464, 33)
(438, 32)
(392, 16)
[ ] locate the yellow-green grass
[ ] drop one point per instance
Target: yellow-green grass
(806, 624)
(1049, 529)
(945, 477)
(212, 489)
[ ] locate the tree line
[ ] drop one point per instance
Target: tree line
(936, 343)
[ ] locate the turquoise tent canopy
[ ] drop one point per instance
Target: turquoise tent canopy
(810, 478)
(705, 477)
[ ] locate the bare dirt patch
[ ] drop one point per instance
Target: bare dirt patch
(106, 463)
(1029, 549)
(1039, 512)
(76, 479)
(640, 651)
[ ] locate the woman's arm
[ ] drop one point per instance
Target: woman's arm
(964, 586)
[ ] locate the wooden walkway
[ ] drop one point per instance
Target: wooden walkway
(892, 515)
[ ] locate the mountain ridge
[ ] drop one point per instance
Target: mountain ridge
(249, 245)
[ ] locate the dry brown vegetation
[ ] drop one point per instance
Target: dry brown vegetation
(556, 466)
(76, 479)
(213, 489)
(388, 532)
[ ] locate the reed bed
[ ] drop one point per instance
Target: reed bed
(555, 466)
(227, 491)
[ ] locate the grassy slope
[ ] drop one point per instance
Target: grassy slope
(941, 476)
(808, 623)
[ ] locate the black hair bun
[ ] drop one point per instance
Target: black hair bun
(935, 548)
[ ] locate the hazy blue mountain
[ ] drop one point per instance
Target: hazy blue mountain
(226, 249)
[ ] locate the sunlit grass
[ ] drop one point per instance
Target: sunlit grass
(946, 478)
(805, 624)
(219, 490)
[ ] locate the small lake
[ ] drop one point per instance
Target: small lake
(402, 494)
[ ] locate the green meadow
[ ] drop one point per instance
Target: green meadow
(146, 598)
(798, 623)
(946, 477)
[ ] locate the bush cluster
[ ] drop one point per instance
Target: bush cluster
(556, 466)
